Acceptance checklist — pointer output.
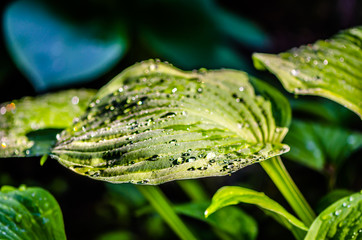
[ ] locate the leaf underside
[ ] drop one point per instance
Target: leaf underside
(28, 126)
(154, 123)
(330, 68)
(29, 213)
(341, 220)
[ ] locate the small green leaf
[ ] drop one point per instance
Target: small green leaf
(155, 123)
(330, 68)
(231, 220)
(227, 196)
(29, 213)
(342, 220)
(315, 145)
(28, 126)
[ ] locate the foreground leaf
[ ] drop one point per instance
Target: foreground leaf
(29, 213)
(227, 196)
(154, 123)
(231, 220)
(330, 68)
(53, 52)
(28, 126)
(315, 145)
(341, 220)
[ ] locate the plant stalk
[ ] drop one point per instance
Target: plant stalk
(193, 189)
(276, 170)
(162, 205)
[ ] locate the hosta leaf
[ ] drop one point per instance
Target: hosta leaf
(53, 52)
(330, 68)
(154, 123)
(29, 213)
(341, 220)
(227, 196)
(314, 144)
(28, 126)
(231, 220)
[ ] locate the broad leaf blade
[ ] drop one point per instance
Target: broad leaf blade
(315, 145)
(231, 220)
(227, 196)
(28, 126)
(154, 123)
(53, 52)
(29, 213)
(330, 68)
(341, 220)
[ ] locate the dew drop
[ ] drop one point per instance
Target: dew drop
(338, 212)
(210, 155)
(241, 89)
(325, 62)
(341, 59)
(75, 100)
(174, 90)
(199, 90)
(294, 72)
(3, 145)
(18, 217)
(350, 198)
(3, 110)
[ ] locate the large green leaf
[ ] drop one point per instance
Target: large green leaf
(155, 123)
(28, 126)
(341, 220)
(330, 68)
(227, 196)
(53, 52)
(29, 213)
(231, 220)
(315, 145)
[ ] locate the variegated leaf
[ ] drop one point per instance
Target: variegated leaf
(155, 123)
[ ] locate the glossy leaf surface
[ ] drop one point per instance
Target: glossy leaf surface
(52, 51)
(330, 68)
(227, 196)
(341, 220)
(231, 220)
(28, 126)
(315, 145)
(29, 213)
(155, 123)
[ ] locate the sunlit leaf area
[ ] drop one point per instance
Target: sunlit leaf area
(157, 120)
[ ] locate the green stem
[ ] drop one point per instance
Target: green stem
(193, 189)
(161, 204)
(281, 178)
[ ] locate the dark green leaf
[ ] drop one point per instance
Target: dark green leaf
(231, 220)
(342, 220)
(28, 126)
(155, 123)
(52, 51)
(330, 68)
(314, 144)
(227, 196)
(29, 213)
(241, 29)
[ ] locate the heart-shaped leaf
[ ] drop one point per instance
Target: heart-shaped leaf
(53, 52)
(154, 123)
(227, 196)
(314, 144)
(28, 126)
(29, 213)
(341, 220)
(330, 68)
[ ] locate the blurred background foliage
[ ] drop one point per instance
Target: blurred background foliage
(53, 45)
